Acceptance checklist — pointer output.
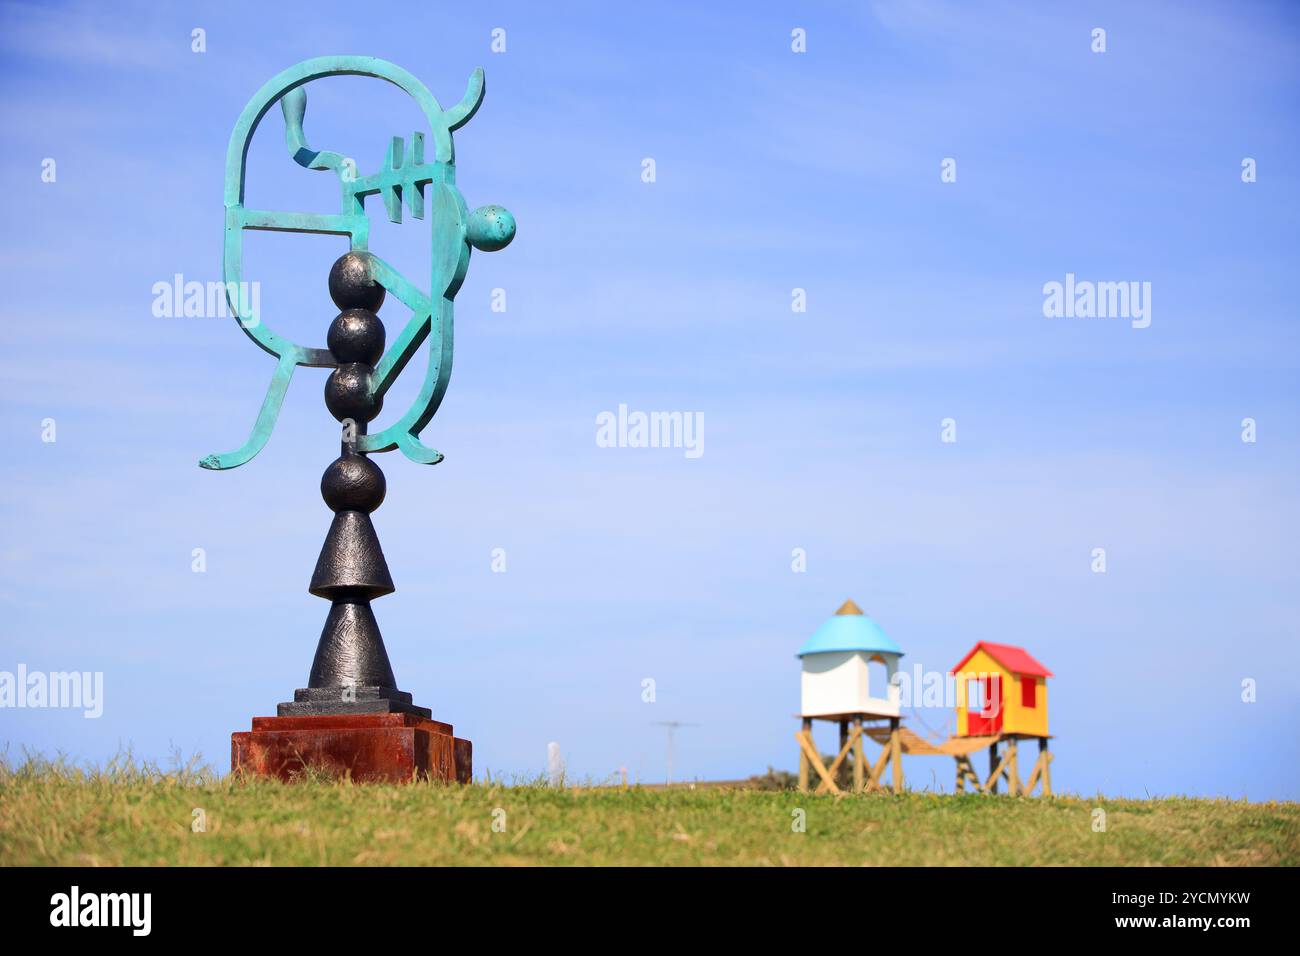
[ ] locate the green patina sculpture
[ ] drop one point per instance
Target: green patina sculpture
(351, 674)
(404, 180)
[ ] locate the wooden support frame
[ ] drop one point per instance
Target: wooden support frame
(808, 753)
(1042, 772)
(1007, 768)
(991, 784)
(865, 778)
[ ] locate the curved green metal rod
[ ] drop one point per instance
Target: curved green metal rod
(403, 181)
(265, 420)
(431, 318)
(294, 106)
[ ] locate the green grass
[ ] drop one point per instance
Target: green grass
(125, 815)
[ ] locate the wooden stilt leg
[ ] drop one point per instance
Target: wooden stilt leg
(844, 739)
(1013, 772)
(859, 760)
(960, 785)
(803, 758)
(896, 750)
(993, 765)
(1046, 758)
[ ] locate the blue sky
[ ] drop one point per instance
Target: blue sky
(775, 171)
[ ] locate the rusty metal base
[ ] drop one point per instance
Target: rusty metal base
(369, 748)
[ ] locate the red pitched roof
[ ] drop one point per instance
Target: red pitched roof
(1015, 659)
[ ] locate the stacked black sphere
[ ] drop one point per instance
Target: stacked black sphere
(355, 339)
(353, 482)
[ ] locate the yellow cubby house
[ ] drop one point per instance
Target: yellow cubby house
(1002, 698)
(1001, 689)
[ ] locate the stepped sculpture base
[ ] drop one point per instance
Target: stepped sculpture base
(323, 701)
(368, 748)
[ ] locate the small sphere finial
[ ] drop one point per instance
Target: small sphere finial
(490, 228)
(352, 284)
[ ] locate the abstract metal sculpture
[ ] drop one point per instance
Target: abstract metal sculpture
(351, 674)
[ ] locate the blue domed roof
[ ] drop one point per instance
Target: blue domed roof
(849, 630)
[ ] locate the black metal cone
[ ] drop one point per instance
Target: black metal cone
(351, 650)
(351, 562)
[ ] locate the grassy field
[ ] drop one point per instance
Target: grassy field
(123, 815)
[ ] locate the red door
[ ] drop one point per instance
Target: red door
(986, 719)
